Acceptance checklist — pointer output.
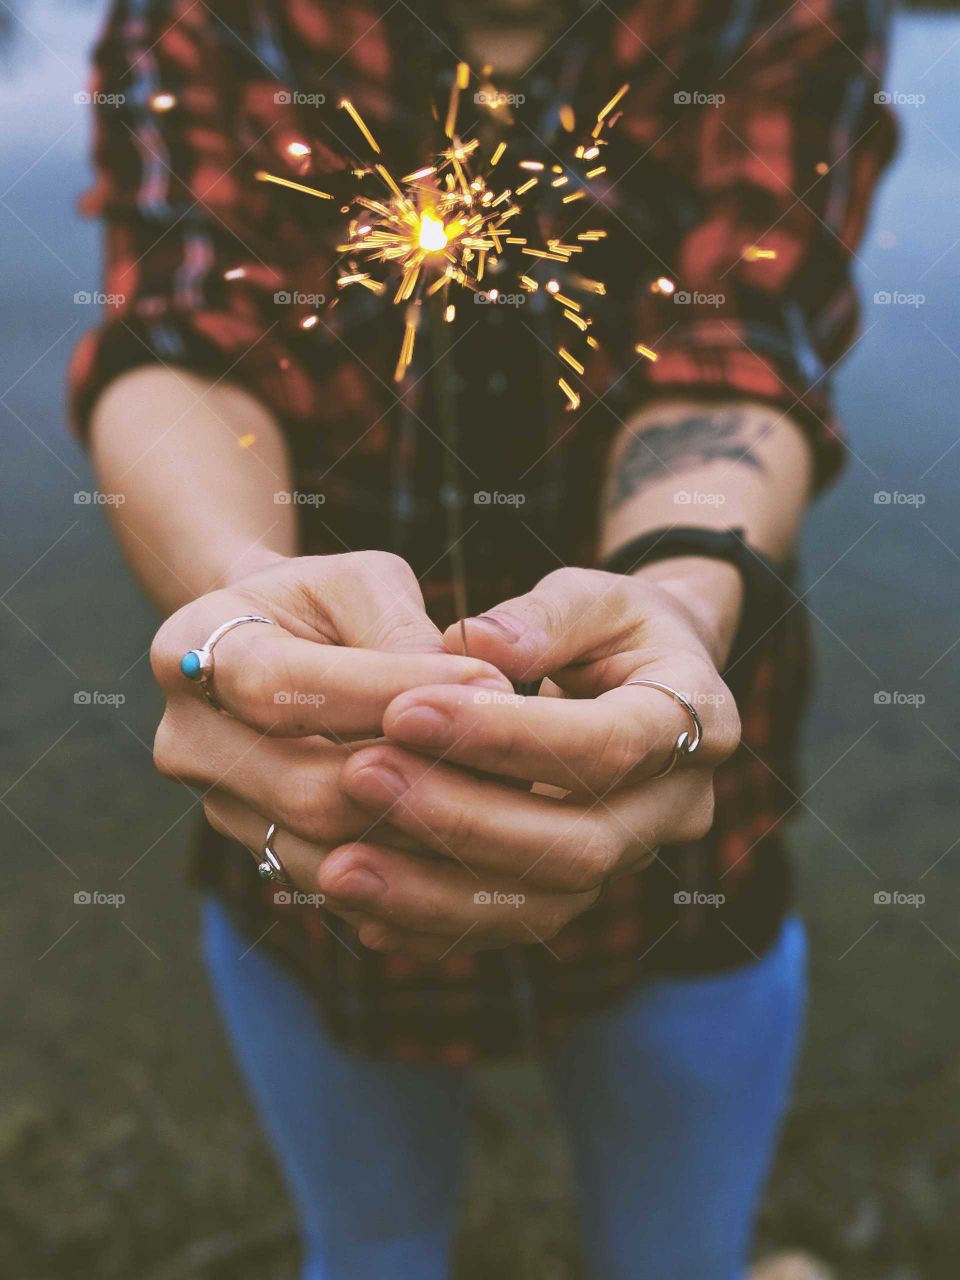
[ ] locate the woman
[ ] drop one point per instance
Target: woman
(628, 919)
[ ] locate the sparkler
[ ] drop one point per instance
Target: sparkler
(427, 239)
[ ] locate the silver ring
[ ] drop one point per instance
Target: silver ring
(686, 745)
(197, 664)
(268, 863)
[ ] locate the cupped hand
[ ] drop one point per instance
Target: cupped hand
(351, 635)
(516, 865)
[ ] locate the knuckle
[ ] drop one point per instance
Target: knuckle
(727, 733)
(304, 802)
(591, 859)
(621, 748)
(170, 758)
(168, 648)
(382, 565)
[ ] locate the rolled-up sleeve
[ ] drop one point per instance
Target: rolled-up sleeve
(195, 250)
(758, 132)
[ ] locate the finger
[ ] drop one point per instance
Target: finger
(280, 684)
(569, 615)
(546, 843)
(300, 858)
(586, 745)
(293, 782)
(409, 892)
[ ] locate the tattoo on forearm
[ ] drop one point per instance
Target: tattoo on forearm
(662, 451)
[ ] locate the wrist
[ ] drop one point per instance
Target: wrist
(252, 559)
(709, 591)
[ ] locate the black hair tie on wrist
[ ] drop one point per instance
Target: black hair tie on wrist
(767, 588)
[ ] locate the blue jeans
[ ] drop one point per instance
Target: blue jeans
(672, 1099)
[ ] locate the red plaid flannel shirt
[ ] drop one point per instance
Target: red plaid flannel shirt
(744, 125)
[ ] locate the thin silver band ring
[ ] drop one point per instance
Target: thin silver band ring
(268, 862)
(198, 665)
(686, 745)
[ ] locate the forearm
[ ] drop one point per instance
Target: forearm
(196, 470)
(738, 465)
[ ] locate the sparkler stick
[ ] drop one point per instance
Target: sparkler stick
(446, 227)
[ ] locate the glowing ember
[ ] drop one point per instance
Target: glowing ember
(432, 237)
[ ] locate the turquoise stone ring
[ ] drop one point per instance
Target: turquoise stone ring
(197, 664)
(191, 664)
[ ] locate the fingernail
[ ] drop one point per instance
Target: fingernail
(354, 887)
(504, 626)
(376, 784)
(424, 726)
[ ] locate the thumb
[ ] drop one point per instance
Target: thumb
(563, 620)
(374, 601)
